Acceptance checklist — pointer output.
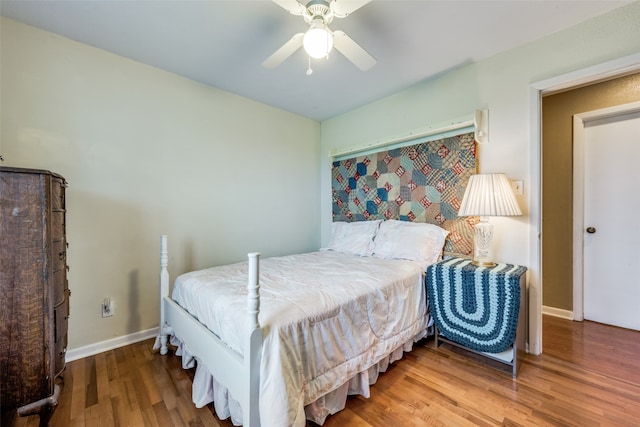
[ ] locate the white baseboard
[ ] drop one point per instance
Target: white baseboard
(557, 312)
(102, 346)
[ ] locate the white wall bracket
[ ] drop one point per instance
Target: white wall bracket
(481, 123)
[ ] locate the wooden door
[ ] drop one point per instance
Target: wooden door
(611, 235)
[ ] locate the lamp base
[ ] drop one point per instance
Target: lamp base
(480, 263)
(483, 233)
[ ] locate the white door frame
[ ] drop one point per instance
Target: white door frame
(579, 121)
(617, 67)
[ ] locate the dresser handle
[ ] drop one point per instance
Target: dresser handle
(62, 255)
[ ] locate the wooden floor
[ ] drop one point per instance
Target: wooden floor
(589, 375)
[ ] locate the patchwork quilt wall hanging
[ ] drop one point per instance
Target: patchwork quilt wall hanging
(424, 182)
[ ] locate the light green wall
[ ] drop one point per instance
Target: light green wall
(146, 153)
(503, 84)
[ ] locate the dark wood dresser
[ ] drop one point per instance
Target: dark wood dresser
(34, 292)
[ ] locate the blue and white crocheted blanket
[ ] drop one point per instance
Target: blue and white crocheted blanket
(477, 307)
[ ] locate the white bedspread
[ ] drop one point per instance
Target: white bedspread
(326, 316)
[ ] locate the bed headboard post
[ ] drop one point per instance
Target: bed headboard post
(164, 290)
(253, 298)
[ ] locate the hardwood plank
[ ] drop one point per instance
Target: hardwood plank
(578, 381)
(162, 415)
(142, 396)
(151, 386)
(112, 366)
(91, 384)
(78, 390)
(119, 412)
(600, 348)
(349, 417)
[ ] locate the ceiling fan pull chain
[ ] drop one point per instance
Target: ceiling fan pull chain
(329, 44)
(309, 70)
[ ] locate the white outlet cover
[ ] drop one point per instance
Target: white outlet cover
(518, 187)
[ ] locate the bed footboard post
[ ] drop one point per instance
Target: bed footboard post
(164, 292)
(253, 352)
(253, 287)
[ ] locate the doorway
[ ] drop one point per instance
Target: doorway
(556, 191)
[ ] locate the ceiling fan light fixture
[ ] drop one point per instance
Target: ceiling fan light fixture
(318, 40)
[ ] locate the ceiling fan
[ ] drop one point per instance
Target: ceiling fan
(319, 40)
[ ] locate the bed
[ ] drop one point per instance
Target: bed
(286, 339)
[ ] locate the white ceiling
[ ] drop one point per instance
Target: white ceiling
(223, 43)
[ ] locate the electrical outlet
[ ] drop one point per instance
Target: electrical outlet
(107, 308)
(517, 187)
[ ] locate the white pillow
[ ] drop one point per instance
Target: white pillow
(353, 237)
(415, 241)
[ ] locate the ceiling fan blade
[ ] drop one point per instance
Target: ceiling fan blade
(352, 51)
(284, 52)
(291, 6)
(342, 8)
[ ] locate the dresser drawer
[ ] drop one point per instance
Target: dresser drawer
(58, 254)
(57, 225)
(57, 194)
(59, 286)
(60, 357)
(61, 321)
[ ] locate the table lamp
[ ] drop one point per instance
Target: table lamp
(487, 194)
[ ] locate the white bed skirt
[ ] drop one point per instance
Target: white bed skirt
(206, 389)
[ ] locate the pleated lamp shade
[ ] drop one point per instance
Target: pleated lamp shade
(489, 194)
